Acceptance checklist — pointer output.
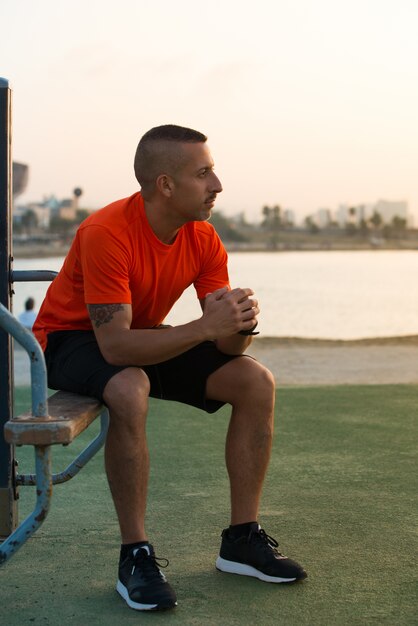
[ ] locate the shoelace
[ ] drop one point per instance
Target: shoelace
(149, 564)
(269, 542)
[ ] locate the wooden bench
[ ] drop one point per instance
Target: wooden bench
(68, 415)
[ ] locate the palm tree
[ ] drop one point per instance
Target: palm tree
(352, 212)
(272, 222)
(350, 226)
(376, 220)
(311, 225)
(266, 216)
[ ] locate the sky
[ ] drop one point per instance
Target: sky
(306, 103)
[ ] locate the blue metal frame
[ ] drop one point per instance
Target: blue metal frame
(75, 466)
(42, 453)
(43, 477)
(43, 500)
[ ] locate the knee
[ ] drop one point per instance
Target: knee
(256, 384)
(267, 380)
(264, 395)
(254, 401)
(258, 380)
(126, 394)
(264, 390)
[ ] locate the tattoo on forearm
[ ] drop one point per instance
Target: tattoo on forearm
(103, 313)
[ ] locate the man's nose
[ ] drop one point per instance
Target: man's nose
(216, 184)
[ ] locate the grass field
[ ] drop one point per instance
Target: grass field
(340, 498)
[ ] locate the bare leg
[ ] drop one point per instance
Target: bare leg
(250, 389)
(126, 452)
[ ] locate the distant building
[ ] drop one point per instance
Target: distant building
(289, 217)
(389, 209)
(41, 210)
(323, 218)
(356, 214)
(67, 209)
(50, 206)
(342, 215)
(364, 212)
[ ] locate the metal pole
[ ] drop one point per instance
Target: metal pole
(8, 496)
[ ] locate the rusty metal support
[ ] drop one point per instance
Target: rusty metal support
(13, 328)
(78, 463)
(38, 515)
(43, 477)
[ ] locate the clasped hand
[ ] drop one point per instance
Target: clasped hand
(226, 312)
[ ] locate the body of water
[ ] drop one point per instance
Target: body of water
(327, 295)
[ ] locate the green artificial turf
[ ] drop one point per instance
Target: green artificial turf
(339, 497)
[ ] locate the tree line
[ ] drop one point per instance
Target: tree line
(274, 223)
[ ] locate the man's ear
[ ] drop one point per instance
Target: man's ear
(165, 184)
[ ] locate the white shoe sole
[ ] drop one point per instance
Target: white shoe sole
(231, 567)
(122, 590)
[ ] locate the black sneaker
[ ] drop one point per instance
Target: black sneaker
(256, 555)
(141, 583)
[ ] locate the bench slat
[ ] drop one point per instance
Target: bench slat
(69, 415)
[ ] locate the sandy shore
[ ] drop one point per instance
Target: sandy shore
(318, 362)
(321, 362)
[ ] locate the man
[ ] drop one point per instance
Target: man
(28, 316)
(101, 328)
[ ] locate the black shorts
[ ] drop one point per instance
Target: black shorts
(75, 363)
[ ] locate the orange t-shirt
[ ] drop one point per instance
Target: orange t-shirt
(116, 258)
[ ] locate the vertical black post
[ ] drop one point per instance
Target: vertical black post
(8, 505)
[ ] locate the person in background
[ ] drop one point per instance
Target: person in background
(28, 316)
(101, 326)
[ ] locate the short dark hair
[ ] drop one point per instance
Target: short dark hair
(158, 152)
(29, 304)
